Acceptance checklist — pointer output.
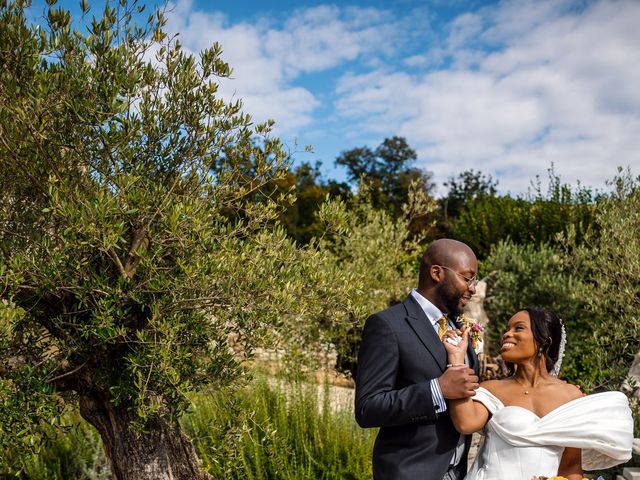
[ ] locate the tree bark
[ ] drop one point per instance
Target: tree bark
(161, 452)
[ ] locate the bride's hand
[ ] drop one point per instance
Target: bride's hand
(455, 343)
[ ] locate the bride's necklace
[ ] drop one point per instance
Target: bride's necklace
(526, 391)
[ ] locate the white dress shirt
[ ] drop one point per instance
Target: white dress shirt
(433, 313)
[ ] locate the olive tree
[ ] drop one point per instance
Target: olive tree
(136, 232)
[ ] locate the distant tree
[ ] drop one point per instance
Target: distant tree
(464, 189)
(300, 219)
(388, 171)
(486, 218)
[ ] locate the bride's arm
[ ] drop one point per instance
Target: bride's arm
(571, 464)
(467, 416)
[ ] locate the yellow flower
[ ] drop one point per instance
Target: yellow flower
(564, 478)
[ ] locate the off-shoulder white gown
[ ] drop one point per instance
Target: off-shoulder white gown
(518, 444)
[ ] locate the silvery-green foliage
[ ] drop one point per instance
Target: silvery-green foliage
(608, 260)
(373, 255)
(132, 244)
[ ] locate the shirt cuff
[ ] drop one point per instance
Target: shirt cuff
(439, 402)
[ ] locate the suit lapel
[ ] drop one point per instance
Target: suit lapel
(471, 355)
(425, 332)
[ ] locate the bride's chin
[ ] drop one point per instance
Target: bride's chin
(510, 358)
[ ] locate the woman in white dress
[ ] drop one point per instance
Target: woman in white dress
(534, 423)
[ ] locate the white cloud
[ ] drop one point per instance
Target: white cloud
(558, 85)
(267, 59)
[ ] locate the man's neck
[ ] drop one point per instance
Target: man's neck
(430, 295)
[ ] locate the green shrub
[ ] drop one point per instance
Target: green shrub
(73, 452)
(278, 432)
(608, 259)
(537, 218)
(540, 276)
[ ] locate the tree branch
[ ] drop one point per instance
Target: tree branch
(68, 373)
(118, 263)
(140, 240)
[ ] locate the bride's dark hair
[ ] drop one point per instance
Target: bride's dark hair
(546, 328)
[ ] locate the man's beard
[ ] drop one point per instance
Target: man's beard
(450, 298)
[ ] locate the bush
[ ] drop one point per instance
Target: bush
(375, 254)
(540, 276)
(72, 452)
(278, 432)
(537, 219)
(608, 259)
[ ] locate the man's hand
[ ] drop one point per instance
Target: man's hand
(456, 343)
(458, 381)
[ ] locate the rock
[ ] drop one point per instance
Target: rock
(474, 309)
(636, 446)
(631, 473)
(630, 385)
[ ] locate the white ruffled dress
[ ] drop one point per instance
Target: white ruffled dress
(518, 444)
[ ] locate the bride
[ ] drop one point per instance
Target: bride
(534, 423)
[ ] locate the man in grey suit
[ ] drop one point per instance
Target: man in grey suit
(403, 380)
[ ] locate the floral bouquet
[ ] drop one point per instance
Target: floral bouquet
(475, 333)
(559, 478)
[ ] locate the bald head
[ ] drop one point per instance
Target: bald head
(445, 252)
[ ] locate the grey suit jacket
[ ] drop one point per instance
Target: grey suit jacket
(399, 354)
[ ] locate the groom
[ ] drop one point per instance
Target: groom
(403, 381)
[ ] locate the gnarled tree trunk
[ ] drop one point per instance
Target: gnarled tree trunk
(161, 452)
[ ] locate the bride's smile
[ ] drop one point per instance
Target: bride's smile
(518, 343)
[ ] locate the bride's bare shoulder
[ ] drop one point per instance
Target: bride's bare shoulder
(569, 391)
(496, 386)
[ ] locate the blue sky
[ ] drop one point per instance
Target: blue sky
(505, 87)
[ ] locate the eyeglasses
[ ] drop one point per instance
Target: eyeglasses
(471, 282)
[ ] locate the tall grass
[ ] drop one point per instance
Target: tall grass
(261, 431)
(282, 432)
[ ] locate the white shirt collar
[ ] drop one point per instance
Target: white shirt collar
(432, 312)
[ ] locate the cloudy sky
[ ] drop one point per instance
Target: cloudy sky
(507, 87)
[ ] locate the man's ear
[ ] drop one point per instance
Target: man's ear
(436, 273)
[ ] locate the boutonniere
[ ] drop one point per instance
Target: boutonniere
(475, 332)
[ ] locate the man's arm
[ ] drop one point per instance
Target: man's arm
(379, 403)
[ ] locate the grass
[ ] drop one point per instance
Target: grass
(282, 432)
